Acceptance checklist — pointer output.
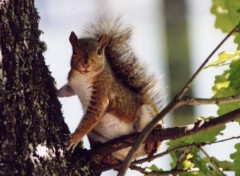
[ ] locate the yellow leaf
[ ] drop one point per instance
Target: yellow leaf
(187, 165)
(223, 57)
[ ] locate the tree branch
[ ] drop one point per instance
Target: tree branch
(174, 103)
(214, 164)
(161, 135)
(205, 101)
(140, 161)
(103, 168)
(187, 86)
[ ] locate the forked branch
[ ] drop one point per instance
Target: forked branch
(170, 107)
(163, 134)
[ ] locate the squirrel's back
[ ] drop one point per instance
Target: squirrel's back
(120, 55)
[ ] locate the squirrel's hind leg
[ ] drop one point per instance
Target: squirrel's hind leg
(146, 115)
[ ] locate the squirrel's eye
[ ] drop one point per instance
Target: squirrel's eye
(74, 52)
(99, 51)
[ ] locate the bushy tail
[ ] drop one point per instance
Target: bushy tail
(120, 55)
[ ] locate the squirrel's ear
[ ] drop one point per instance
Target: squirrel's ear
(103, 41)
(73, 39)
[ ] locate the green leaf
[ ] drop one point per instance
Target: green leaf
(206, 136)
(234, 76)
(187, 164)
(209, 135)
(203, 165)
(236, 159)
(237, 40)
(205, 168)
(174, 157)
(226, 12)
(154, 168)
(191, 174)
(228, 84)
(225, 165)
(221, 84)
(223, 57)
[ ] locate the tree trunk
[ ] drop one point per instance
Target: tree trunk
(177, 48)
(32, 128)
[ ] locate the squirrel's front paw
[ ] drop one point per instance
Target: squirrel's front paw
(72, 143)
(65, 91)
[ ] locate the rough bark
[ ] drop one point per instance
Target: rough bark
(32, 128)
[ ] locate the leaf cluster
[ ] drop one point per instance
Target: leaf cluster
(195, 160)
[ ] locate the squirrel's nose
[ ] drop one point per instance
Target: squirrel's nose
(86, 64)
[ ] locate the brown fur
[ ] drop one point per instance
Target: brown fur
(114, 89)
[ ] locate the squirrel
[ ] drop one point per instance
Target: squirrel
(116, 94)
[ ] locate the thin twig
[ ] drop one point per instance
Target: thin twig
(187, 86)
(205, 101)
(215, 165)
(224, 140)
(146, 131)
(182, 158)
(127, 141)
(170, 107)
(140, 161)
(173, 133)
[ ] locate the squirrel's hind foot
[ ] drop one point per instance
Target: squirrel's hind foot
(151, 147)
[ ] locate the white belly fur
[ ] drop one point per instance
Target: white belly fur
(82, 86)
(110, 127)
(121, 154)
